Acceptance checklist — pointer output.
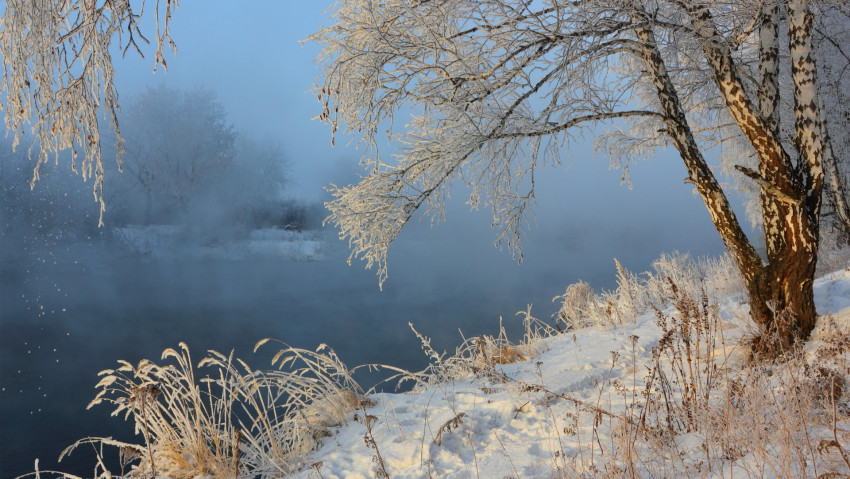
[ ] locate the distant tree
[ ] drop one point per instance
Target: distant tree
(499, 87)
(184, 163)
(58, 89)
(257, 180)
(178, 146)
(250, 193)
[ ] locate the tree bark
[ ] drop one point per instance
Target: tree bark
(780, 289)
(785, 306)
(835, 189)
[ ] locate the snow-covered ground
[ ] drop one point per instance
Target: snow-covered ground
(557, 414)
(660, 385)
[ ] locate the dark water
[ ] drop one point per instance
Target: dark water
(63, 323)
(64, 318)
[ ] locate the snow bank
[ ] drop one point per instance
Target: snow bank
(658, 391)
(550, 416)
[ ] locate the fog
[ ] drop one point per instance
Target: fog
(73, 304)
(75, 298)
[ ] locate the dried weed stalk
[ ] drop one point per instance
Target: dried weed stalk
(233, 423)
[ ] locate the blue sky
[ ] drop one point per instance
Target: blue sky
(250, 54)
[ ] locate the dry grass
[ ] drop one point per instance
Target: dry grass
(701, 409)
(704, 414)
(638, 294)
(478, 356)
(234, 422)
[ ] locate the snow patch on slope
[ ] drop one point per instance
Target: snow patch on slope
(535, 421)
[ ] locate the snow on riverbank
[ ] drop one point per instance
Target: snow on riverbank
(660, 384)
(561, 414)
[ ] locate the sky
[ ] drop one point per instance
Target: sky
(253, 55)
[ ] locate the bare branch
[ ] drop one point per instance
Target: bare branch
(769, 187)
(58, 75)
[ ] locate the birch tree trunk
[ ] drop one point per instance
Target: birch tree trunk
(781, 288)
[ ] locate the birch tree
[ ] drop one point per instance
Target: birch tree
(831, 39)
(497, 89)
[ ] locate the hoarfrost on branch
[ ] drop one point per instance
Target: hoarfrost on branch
(58, 74)
(495, 89)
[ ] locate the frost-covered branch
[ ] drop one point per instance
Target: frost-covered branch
(58, 74)
(496, 89)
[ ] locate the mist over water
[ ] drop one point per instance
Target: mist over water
(75, 298)
(67, 312)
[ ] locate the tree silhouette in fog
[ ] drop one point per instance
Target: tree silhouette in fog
(178, 146)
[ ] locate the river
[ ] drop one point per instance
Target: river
(64, 317)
